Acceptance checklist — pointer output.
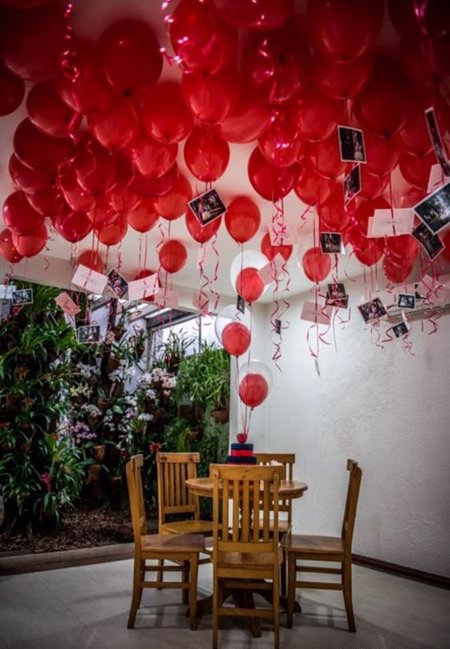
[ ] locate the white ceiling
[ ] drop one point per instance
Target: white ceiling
(89, 20)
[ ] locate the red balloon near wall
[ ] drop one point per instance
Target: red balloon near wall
(174, 204)
(166, 115)
(130, 56)
(247, 120)
(72, 226)
(324, 158)
(211, 97)
(280, 142)
(76, 197)
(382, 153)
(366, 209)
(144, 216)
(49, 203)
(249, 285)
(49, 113)
(270, 182)
(253, 389)
(154, 187)
(342, 80)
(12, 91)
(236, 338)
(315, 115)
(414, 134)
(344, 30)
(95, 167)
(28, 179)
(242, 219)
(153, 159)
(91, 259)
(395, 270)
(333, 217)
(116, 126)
(36, 149)
(206, 153)
(19, 216)
(403, 247)
(372, 185)
(367, 251)
(31, 244)
(112, 231)
(201, 233)
(416, 168)
(271, 251)
(313, 189)
(316, 264)
(7, 250)
(172, 256)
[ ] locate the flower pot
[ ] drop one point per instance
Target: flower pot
(93, 473)
(12, 400)
(112, 364)
(221, 416)
(99, 453)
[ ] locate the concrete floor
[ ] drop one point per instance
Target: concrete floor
(87, 608)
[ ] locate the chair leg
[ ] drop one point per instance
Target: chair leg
(276, 608)
(283, 570)
(193, 575)
(137, 593)
(215, 607)
(292, 577)
(185, 592)
(347, 586)
(160, 573)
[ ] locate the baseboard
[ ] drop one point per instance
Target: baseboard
(402, 571)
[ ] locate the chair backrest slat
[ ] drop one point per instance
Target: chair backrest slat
(136, 496)
(351, 503)
(173, 495)
(287, 460)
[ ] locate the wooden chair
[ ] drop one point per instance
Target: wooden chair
(300, 548)
(182, 549)
(246, 551)
(174, 498)
(287, 460)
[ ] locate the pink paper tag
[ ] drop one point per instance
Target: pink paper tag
(141, 288)
(267, 273)
(166, 298)
(381, 224)
(319, 315)
(65, 302)
(89, 280)
(436, 179)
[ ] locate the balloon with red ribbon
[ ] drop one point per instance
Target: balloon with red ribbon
(206, 153)
(210, 97)
(72, 226)
(29, 245)
(316, 264)
(199, 232)
(7, 249)
(91, 259)
(249, 285)
(49, 112)
(152, 158)
(280, 142)
(165, 113)
(242, 219)
(19, 216)
(173, 204)
(255, 379)
(36, 149)
(144, 216)
(269, 181)
(172, 256)
(272, 251)
(236, 338)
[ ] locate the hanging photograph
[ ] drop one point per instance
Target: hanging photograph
(434, 210)
(406, 301)
(436, 140)
(399, 330)
(117, 284)
(352, 184)
(331, 242)
(373, 310)
(88, 334)
(351, 144)
(22, 296)
(430, 242)
(207, 207)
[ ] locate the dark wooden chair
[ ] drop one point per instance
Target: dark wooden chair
(181, 549)
(246, 551)
(302, 548)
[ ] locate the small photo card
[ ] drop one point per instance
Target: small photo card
(89, 280)
(88, 334)
(373, 310)
(240, 304)
(434, 210)
(436, 140)
(139, 289)
(6, 291)
(22, 296)
(400, 329)
(406, 301)
(351, 144)
(390, 223)
(352, 184)
(430, 242)
(117, 284)
(207, 207)
(436, 179)
(277, 326)
(336, 296)
(65, 302)
(332, 242)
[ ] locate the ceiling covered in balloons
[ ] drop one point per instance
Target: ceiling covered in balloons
(117, 114)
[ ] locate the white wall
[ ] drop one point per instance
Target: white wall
(383, 407)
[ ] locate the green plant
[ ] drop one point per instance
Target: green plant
(205, 378)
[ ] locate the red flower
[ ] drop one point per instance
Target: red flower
(125, 453)
(154, 447)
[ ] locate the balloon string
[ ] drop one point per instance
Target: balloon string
(67, 57)
(391, 200)
(203, 295)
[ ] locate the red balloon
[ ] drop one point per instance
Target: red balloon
(210, 97)
(236, 338)
(272, 251)
(325, 158)
(91, 259)
(101, 213)
(75, 196)
(366, 209)
(12, 91)
(242, 219)
(111, 232)
(367, 251)
(254, 14)
(116, 126)
(88, 92)
(395, 270)
(249, 285)
(435, 20)
(19, 216)
(415, 61)
(144, 216)
(276, 65)
(201, 233)
(166, 116)
(200, 39)
(36, 149)
(49, 113)
(154, 187)
(7, 250)
(382, 153)
(372, 185)
(313, 189)
(23, 4)
(172, 256)
(316, 264)
(403, 247)
(344, 30)
(414, 133)
(333, 217)
(173, 204)
(315, 116)
(270, 182)
(28, 179)
(253, 389)
(72, 226)
(411, 196)
(95, 167)
(33, 42)
(342, 79)
(122, 199)
(29, 245)
(247, 120)
(49, 203)
(280, 142)
(206, 153)
(416, 168)
(130, 56)
(439, 55)
(383, 105)
(153, 159)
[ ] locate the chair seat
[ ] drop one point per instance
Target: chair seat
(173, 543)
(313, 544)
(247, 559)
(187, 527)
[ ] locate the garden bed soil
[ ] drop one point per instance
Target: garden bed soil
(80, 529)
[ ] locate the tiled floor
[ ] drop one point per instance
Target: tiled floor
(87, 608)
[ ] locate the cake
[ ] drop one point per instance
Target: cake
(241, 454)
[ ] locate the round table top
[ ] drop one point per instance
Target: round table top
(289, 489)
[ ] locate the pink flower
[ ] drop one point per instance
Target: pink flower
(46, 478)
(154, 447)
